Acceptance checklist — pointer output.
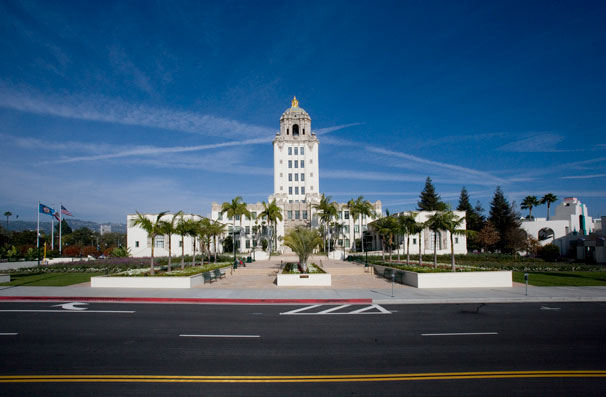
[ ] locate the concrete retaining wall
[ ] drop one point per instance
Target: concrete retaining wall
(146, 282)
(5, 278)
(307, 280)
(454, 279)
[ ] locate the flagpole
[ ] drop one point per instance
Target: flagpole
(52, 232)
(60, 225)
(38, 235)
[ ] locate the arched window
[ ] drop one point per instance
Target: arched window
(295, 130)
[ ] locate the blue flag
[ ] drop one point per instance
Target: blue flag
(45, 209)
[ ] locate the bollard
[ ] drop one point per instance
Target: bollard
(393, 279)
(526, 280)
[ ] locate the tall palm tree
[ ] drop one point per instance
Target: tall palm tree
(353, 213)
(529, 203)
(272, 213)
(7, 214)
(235, 209)
(407, 227)
(417, 228)
(363, 209)
(183, 228)
(387, 227)
(303, 242)
(437, 222)
(327, 210)
(169, 228)
(153, 228)
(453, 226)
(216, 229)
(205, 235)
(548, 199)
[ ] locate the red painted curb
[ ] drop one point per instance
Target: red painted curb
(181, 300)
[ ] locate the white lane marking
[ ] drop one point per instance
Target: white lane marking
(549, 308)
(462, 334)
(71, 306)
(332, 311)
(220, 336)
(67, 311)
(8, 334)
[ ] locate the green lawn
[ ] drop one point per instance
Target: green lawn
(559, 279)
(48, 279)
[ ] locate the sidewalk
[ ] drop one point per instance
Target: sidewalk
(255, 284)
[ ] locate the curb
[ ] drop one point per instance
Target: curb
(181, 300)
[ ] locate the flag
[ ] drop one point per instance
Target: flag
(64, 211)
(56, 215)
(45, 209)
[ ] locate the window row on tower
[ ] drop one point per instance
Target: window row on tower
(297, 150)
(290, 190)
(296, 162)
(290, 177)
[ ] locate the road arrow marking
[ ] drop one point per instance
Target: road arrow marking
(71, 306)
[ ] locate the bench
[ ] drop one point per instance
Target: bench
(208, 276)
(218, 274)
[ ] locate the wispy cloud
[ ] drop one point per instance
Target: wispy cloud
(583, 176)
(113, 111)
(323, 131)
(459, 138)
(545, 142)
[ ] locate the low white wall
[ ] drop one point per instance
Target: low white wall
(146, 282)
(260, 255)
(455, 279)
(295, 280)
(337, 254)
(5, 278)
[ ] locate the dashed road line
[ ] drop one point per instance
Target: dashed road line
(461, 334)
(219, 336)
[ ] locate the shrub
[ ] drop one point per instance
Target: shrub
(72, 251)
(549, 252)
(90, 250)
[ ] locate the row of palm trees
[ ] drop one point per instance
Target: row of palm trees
(531, 202)
(199, 228)
(391, 227)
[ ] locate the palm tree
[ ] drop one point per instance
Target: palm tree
(529, 203)
(272, 213)
(235, 209)
(548, 199)
(452, 225)
(363, 209)
(438, 221)
(407, 226)
(183, 228)
(152, 228)
(169, 228)
(7, 214)
(387, 227)
(326, 211)
(353, 212)
(216, 229)
(205, 235)
(303, 242)
(417, 228)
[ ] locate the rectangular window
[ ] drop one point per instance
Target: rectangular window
(302, 150)
(340, 215)
(296, 164)
(247, 229)
(180, 244)
(290, 190)
(296, 189)
(220, 216)
(247, 243)
(304, 214)
(290, 177)
(159, 243)
(302, 164)
(357, 228)
(302, 177)
(137, 244)
(296, 177)
(289, 214)
(414, 241)
(346, 229)
(346, 242)
(456, 240)
(302, 189)
(346, 214)
(340, 242)
(289, 151)
(254, 214)
(237, 217)
(296, 151)
(290, 163)
(297, 214)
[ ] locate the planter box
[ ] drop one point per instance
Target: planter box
(491, 279)
(146, 282)
(306, 280)
(5, 278)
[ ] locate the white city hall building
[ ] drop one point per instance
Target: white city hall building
(296, 191)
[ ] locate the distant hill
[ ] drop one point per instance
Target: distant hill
(45, 225)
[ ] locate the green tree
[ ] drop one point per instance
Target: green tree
(184, 228)
(169, 228)
(303, 241)
(549, 199)
(504, 219)
(473, 216)
(65, 228)
(436, 223)
(453, 227)
(153, 228)
(363, 209)
(529, 203)
(387, 228)
(83, 236)
(216, 229)
(7, 214)
(407, 223)
(273, 214)
(429, 199)
(326, 210)
(488, 236)
(235, 209)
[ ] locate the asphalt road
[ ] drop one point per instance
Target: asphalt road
(296, 350)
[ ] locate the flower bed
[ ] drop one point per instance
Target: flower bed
(292, 276)
(445, 279)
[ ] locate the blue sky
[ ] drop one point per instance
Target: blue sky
(117, 107)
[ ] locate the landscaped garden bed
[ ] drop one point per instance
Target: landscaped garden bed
(293, 275)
